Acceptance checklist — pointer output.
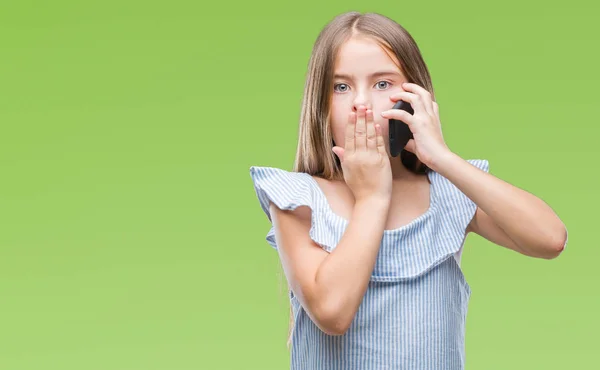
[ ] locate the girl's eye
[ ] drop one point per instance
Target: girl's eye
(336, 85)
(385, 82)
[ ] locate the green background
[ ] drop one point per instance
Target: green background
(131, 234)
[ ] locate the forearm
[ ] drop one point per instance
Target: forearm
(343, 276)
(525, 218)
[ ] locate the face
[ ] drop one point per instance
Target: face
(366, 75)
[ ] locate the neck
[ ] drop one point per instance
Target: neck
(398, 170)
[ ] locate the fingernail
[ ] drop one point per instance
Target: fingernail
(384, 113)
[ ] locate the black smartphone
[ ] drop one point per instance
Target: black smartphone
(399, 133)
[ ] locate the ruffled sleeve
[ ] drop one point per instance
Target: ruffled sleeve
(289, 190)
(458, 208)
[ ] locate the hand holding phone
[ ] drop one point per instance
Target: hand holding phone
(399, 133)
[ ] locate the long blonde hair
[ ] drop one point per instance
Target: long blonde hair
(315, 139)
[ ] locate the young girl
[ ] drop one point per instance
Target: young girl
(371, 244)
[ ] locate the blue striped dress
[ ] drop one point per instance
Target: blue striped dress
(414, 310)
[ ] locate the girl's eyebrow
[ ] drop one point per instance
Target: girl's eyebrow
(372, 75)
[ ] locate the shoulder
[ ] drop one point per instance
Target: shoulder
(285, 189)
(279, 190)
(263, 174)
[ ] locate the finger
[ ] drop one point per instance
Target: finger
(425, 96)
(415, 101)
(410, 146)
(360, 134)
(371, 133)
(350, 127)
(400, 115)
(380, 141)
(339, 152)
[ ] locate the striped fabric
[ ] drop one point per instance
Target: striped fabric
(414, 310)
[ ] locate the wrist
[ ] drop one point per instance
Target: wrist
(442, 160)
(374, 201)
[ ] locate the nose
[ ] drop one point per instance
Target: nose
(357, 103)
(361, 97)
